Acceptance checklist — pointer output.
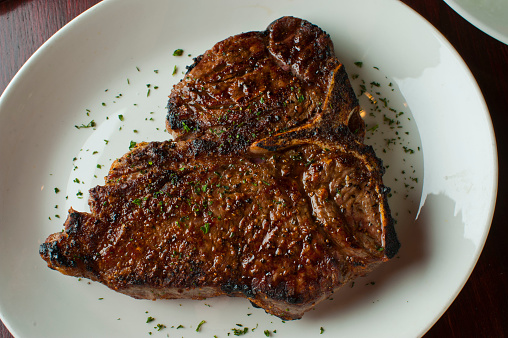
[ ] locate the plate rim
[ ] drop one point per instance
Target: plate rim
(466, 15)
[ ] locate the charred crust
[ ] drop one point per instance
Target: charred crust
(158, 152)
(73, 222)
(236, 147)
(357, 263)
(172, 111)
(174, 122)
(392, 245)
(196, 60)
(164, 177)
(231, 287)
(202, 146)
(283, 292)
(52, 253)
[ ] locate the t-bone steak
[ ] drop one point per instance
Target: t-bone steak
(283, 214)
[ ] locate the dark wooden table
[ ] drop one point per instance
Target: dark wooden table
(481, 309)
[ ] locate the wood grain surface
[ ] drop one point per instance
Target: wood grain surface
(481, 309)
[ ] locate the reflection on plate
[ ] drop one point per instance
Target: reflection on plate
(421, 106)
(491, 16)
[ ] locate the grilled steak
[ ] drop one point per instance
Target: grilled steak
(254, 84)
(284, 228)
(268, 192)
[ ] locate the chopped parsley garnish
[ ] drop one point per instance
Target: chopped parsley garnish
(321, 330)
(132, 144)
(120, 117)
(150, 319)
(359, 64)
(240, 332)
(186, 127)
(159, 327)
(267, 333)
(199, 325)
(178, 52)
(91, 124)
(57, 190)
(175, 70)
(373, 128)
(137, 201)
(205, 228)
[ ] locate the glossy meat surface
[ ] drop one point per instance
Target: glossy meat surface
(284, 228)
(255, 84)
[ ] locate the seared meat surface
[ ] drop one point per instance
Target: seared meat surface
(284, 228)
(252, 85)
(268, 192)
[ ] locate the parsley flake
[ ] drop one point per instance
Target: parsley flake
(199, 325)
(91, 124)
(205, 228)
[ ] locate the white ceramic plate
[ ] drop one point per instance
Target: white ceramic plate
(425, 115)
(490, 16)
